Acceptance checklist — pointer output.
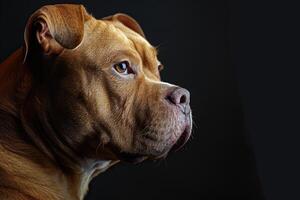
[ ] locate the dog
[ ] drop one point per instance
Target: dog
(78, 97)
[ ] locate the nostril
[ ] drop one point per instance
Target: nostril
(178, 96)
(182, 99)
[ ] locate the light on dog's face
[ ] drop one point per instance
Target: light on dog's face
(150, 117)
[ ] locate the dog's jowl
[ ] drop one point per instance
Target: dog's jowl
(79, 96)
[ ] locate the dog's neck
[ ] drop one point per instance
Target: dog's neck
(34, 161)
(38, 179)
(92, 169)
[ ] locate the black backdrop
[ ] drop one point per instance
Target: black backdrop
(220, 51)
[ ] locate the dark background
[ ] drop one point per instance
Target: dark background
(240, 62)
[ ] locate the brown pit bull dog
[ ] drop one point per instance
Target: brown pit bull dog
(81, 95)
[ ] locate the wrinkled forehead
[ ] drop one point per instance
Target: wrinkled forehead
(109, 40)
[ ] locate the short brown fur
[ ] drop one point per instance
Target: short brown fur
(66, 115)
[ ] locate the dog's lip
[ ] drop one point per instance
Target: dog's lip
(127, 156)
(184, 137)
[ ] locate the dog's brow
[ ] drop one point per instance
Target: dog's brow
(121, 53)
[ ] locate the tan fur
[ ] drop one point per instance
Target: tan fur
(66, 115)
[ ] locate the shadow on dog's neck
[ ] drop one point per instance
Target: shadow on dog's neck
(48, 167)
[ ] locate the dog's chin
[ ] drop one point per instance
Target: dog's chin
(132, 157)
(172, 146)
(137, 158)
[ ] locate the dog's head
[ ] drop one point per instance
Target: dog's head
(99, 84)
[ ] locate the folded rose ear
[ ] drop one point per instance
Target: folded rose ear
(127, 21)
(55, 27)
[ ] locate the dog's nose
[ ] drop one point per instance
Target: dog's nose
(181, 98)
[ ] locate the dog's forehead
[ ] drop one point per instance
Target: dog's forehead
(107, 37)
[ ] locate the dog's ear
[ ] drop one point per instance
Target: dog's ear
(55, 27)
(127, 21)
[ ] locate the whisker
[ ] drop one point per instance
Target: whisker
(99, 145)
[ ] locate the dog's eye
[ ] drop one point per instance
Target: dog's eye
(123, 67)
